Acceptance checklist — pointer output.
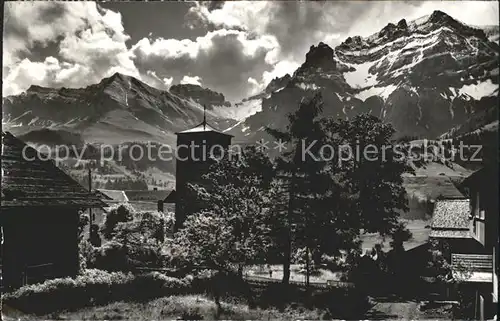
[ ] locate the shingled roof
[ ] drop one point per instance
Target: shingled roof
(27, 180)
(204, 127)
(450, 218)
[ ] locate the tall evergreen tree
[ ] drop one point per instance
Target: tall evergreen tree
(307, 185)
(327, 192)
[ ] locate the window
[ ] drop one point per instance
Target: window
(477, 205)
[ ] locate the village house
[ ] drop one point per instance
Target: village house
(482, 188)
(140, 200)
(470, 229)
(40, 216)
(450, 224)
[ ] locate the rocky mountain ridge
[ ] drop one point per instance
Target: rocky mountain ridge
(424, 77)
(200, 95)
(119, 108)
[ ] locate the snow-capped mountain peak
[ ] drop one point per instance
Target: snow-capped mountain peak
(423, 76)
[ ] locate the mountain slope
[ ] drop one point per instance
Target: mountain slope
(119, 108)
(200, 95)
(424, 77)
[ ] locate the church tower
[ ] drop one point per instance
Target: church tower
(195, 146)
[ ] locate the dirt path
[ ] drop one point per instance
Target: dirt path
(393, 309)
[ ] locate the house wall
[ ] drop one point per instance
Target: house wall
(484, 213)
(39, 236)
(463, 246)
(483, 191)
(495, 274)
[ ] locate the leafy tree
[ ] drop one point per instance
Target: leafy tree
(373, 175)
(83, 222)
(132, 240)
(236, 193)
(230, 231)
(117, 214)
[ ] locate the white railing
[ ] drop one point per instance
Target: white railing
(473, 262)
(37, 273)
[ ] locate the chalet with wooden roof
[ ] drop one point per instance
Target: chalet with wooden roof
(481, 265)
(40, 214)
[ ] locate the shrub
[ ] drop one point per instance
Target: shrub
(93, 287)
(87, 255)
(133, 239)
(344, 303)
(111, 256)
(117, 214)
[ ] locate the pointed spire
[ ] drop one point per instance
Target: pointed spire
(204, 116)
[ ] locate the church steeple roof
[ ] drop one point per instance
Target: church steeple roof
(203, 126)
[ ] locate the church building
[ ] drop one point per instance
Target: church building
(195, 148)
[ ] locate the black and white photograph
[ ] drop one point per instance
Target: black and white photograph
(249, 160)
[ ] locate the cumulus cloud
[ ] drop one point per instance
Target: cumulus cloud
(296, 25)
(161, 83)
(196, 80)
(90, 40)
(244, 47)
(223, 58)
(256, 86)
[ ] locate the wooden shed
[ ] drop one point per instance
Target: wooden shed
(40, 213)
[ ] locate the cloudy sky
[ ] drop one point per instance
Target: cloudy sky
(231, 47)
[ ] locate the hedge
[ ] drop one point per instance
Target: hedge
(94, 287)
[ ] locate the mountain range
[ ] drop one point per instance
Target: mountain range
(427, 77)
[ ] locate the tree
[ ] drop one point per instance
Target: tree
(328, 195)
(451, 277)
(133, 239)
(304, 187)
(230, 230)
(373, 176)
(84, 220)
(121, 213)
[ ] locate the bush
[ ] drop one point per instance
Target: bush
(344, 303)
(94, 287)
(132, 240)
(118, 214)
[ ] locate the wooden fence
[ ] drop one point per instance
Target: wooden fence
(262, 280)
(328, 284)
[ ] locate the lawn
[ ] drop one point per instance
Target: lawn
(277, 273)
(199, 307)
(419, 228)
(187, 307)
